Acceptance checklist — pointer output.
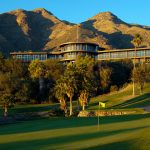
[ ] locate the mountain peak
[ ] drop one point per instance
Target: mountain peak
(17, 11)
(46, 14)
(107, 16)
(102, 15)
(42, 10)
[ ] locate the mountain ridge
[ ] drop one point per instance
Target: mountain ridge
(40, 30)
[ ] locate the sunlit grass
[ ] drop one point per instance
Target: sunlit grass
(123, 99)
(131, 132)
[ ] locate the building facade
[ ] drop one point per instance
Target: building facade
(70, 51)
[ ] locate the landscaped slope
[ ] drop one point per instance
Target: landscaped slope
(123, 99)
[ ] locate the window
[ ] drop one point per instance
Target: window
(84, 47)
(78, 47)
(147, 52)
(131, 53)
(140, 53)
(114, 55)
(122, 54)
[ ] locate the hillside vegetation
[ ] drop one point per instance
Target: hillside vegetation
(123, 99)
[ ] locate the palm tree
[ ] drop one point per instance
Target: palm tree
(60, 94)
(70, 84)
(83, 98)
(137, 40)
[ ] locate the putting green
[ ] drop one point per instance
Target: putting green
(116, 132)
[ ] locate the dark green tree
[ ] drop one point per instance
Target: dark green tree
(38, 71)
(105, 77)
(140, 76)
(85, 79)
(54, 70)
(2, 63)
(137, 41)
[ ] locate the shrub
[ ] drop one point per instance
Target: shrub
(113, 88)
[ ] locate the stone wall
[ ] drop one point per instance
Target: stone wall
(104, 113)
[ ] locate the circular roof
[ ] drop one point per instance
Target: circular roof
(68, 43)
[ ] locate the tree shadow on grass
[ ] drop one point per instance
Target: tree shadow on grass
(58, 142)
(62, 123)
(46, 124)
(123, 145)
(13, 111)
(34, 109)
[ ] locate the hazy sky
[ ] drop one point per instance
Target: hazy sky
(77, 11)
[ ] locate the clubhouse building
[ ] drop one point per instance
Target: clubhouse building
(70, 51)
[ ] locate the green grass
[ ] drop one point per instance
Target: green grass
(30, 108)
(130, 132)
(118, 132)
(123, 99)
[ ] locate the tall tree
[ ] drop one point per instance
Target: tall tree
(16, 67)
(9, 86)
(2, 63)
(60, 94)
(54, 70)
(38, 70)
(70, 84)
(137, 41)
(105, 77)
(86, 79)
(83, 98)
(140, 77)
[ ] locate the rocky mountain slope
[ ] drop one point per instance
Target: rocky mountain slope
(40, 30)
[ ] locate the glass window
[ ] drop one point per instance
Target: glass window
(114, 55)
(140, 53)
(84, 47)
(122, 54)
(103, 55)
(147, 52)
(131, 53)
(78, 47)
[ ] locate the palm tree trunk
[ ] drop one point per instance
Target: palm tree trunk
(134, 72)
(5, 111)
(133, 87)
(70, 106)
(140, 90)
(41, 86)
(83, 107)
(78, 106)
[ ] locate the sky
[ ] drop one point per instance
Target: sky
(77, 11)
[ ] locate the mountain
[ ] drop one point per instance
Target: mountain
(118, 33)
(40, 30)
